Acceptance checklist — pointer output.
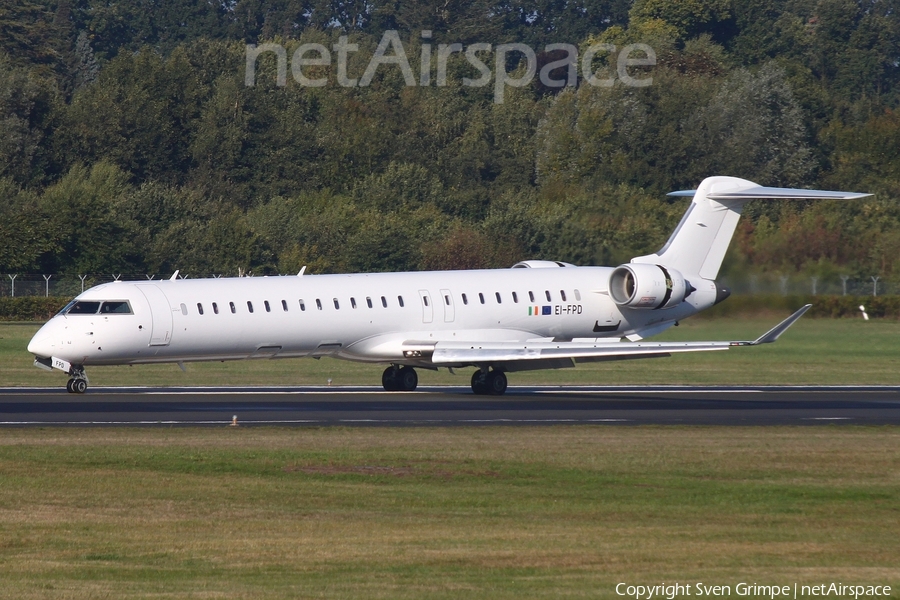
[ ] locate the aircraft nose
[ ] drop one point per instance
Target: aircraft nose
(40, 346)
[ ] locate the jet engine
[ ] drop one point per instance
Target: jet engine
(639, 285)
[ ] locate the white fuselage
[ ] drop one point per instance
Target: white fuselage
(355, 317)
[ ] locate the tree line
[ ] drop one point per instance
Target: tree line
(129, 141)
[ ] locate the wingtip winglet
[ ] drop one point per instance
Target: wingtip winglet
(774, 333)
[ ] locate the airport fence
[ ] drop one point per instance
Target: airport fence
(38, 297)
(14, 285)
(27, 285)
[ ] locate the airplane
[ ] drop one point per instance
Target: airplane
(536, 315)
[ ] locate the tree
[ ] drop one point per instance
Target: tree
(138, 114)
(752, 128)
(25, 234)
(85, 229)
(28, 110)
(689, 18)
(86, 66)
(866, 156)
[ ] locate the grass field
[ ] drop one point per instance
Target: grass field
(554, 512)
(543, 512)
(832, 351)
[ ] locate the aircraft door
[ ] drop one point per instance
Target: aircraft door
(447, 301)
(160, 314)
(427, 307)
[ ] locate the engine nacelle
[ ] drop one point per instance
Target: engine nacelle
(639, 285)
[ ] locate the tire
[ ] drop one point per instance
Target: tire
(79, 386)
(479, 384)
(407, 379)
(496, 383)
(389, 379)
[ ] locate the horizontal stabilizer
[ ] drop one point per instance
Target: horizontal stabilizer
(770, 193)
(767, 193)
(698, 244)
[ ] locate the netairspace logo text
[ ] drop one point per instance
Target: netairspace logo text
(391, 53)
(822, 590)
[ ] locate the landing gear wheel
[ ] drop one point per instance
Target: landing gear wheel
(407, 379)
(79, 382)
(389, 379)
(404, 379)
(76, 386)
(479, 383)
(492, 383)
(496, 383)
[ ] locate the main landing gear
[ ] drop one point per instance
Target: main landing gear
(405, 379)
(491, 383)
(78, 383)
(399, 379)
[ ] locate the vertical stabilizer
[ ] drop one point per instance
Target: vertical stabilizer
(698, 244)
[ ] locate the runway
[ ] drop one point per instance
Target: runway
(452, 406)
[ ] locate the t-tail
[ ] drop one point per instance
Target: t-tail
(692, 256)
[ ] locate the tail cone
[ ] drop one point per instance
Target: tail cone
(722, 293)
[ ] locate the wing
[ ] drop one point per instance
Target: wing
(522, 356)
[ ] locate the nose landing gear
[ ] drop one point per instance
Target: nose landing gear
(79, 382)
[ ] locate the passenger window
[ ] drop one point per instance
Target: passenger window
(183, 309)
(318, 304)
(447, 299)
(497, 295)
(464, 299)
(336, 305)
(284, 305)
(425, 300)
(249, 306)
(302, 305)
(384, 301)
(531, 296)
(547, 293)
(368, 302)
(352, 302)
(481, 297)
(515, 298)
(215, 308)
(562, 294)
(200, 308)
(233, 310)
(578, 295)
(268, 308)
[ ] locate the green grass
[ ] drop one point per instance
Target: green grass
(555, 512)
(827, 351)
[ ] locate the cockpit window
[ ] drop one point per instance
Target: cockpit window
(120, 307)
(107, 307)
(83, 307)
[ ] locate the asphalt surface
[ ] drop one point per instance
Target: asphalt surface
(451, 406)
